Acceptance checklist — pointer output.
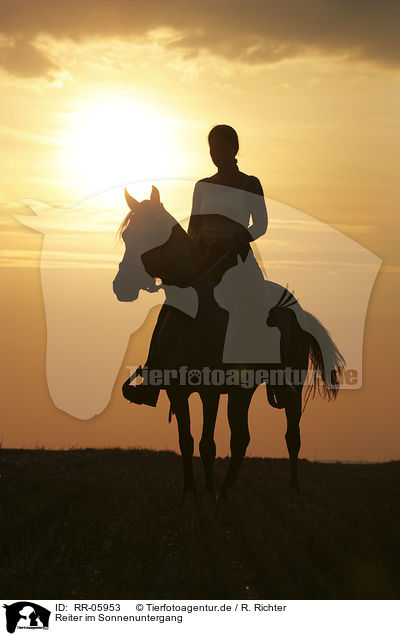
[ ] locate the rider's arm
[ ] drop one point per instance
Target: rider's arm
(258, 209)
(195, 218)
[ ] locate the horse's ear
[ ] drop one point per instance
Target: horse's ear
(132, 203)
(155, 195)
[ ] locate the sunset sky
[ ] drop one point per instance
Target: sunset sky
(95, 95)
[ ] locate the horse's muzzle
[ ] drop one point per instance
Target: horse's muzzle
(123, 295)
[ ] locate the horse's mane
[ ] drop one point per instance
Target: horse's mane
(126, 221)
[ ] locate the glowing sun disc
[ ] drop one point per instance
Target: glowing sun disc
(119, 141)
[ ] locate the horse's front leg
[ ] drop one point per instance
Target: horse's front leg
(238, 410)
(210, 400)
(293, 415)
(180, 405)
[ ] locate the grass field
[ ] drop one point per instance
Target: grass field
(105, 524)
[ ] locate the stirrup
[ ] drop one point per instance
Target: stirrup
(142, 393)
(278, 397)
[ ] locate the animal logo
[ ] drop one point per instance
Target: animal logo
(25, 615)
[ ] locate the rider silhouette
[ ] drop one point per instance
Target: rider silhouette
(219, 222)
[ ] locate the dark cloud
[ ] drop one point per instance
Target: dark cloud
(256, 31)
(22, 58)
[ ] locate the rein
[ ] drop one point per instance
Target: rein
(220, 261)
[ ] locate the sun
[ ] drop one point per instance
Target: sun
(112, 141)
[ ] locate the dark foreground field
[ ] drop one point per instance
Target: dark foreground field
(104, 524)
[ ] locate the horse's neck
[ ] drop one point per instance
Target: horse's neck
(176, 261)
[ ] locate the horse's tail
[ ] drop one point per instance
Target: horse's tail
(326, 361)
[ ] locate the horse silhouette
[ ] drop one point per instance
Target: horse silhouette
(194, 342)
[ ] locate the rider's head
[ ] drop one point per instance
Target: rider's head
(224, 145)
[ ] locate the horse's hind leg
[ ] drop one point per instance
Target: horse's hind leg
(293, 415)
(180, 405)
(207, 448)
(238, 410)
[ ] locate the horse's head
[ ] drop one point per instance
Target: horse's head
(146, 226)
(156, 247)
